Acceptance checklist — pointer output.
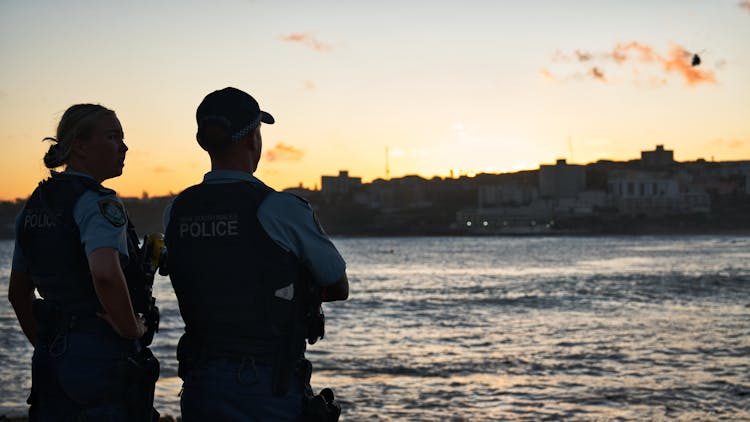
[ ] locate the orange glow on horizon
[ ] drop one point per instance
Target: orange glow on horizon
(480, 89)
(154, 180)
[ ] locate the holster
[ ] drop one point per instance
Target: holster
(143, 371)
(152, 323)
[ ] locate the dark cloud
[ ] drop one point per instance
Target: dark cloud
(284, 152)
(308, 41)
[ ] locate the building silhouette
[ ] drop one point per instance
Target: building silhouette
(650, 194)
(561, 180)
(658, 158)
(340, 184)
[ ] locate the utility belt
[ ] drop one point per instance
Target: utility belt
(321, 407)
(54, 324)
(192, 352)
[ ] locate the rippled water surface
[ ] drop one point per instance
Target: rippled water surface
(601, 328)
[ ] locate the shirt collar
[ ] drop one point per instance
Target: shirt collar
(72, 173)
(226, 176)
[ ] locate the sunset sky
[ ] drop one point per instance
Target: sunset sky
(472, 86)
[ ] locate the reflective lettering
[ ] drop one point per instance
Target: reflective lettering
(204, 227)
(38, 221)
(221, 228)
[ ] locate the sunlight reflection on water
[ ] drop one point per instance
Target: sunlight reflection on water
(628, 328)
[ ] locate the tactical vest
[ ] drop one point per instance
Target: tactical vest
(51, 244)
(238, 291)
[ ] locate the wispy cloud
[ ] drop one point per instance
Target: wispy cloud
(309, 41)
(598, 74)
(638, 55)
(621, 53)
(547, 75)
(309, 85)
(582, 56)
(745, 4)
(679, 61)
(284, 152)
(160, 169)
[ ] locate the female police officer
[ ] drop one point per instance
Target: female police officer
(72, 238)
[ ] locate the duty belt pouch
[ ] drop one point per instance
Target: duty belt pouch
(143, 371)
(321, 407)
(144, 367)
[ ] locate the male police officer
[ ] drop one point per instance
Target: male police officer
(241, 258)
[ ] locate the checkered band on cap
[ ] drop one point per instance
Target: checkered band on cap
(247, 129)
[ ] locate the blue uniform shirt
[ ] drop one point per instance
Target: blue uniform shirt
(290, 222)
(96, 230)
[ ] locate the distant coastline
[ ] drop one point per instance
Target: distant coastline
(340, 218)
(647, 196)
(348, 219)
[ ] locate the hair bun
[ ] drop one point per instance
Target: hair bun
(53, 158)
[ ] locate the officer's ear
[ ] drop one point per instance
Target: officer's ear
(78, 147)
(255, 139)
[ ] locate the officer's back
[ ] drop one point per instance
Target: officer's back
(242, 260)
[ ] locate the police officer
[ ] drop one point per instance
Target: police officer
(241, 259)
(75, 246)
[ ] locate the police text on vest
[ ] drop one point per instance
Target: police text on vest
(209, 226)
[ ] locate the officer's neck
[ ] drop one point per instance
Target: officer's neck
(239, 156)
(80, 168)
(233, 163)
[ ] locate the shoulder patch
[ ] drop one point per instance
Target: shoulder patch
(113, 212)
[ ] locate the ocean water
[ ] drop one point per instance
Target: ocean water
(527, 328)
